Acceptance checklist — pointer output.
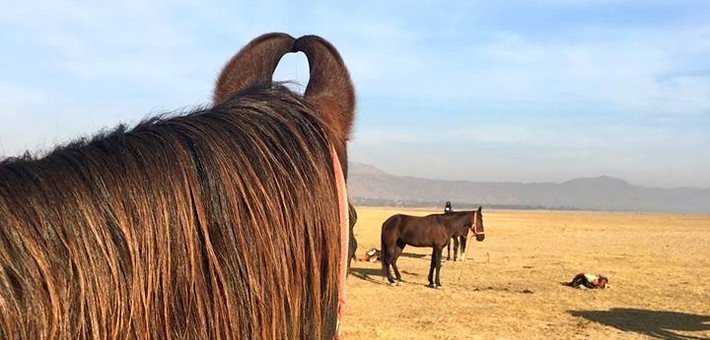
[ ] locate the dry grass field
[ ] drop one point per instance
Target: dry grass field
(510, 285)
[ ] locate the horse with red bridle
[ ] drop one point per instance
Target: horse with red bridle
(433, 231)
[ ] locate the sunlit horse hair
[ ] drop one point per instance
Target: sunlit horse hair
(221, 223)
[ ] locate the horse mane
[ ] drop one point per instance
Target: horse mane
(220, 223)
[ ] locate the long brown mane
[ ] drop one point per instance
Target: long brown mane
(222, 223)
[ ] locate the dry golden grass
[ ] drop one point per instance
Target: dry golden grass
(510, 285)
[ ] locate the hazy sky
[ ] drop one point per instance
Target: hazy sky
(495, 91)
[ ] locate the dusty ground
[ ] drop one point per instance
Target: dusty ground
(509, 287)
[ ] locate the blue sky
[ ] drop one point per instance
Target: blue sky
(531, 91)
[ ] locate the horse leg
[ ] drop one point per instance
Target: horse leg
(397, 252)
(387, 254)
(388, 274)
(448, 252)
(438, 252)
(456, 248)
(352, 249)
(463, 248)
(431, 268)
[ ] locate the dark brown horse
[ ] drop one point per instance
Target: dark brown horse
(433, 231)
(226, 222)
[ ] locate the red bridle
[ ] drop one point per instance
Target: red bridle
(344, 235)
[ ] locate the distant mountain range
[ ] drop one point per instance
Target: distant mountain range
(369, 185)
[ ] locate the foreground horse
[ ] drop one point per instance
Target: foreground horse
(433, 231)
(226, 222)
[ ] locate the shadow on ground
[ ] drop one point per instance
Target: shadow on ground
(656, 324)
(412, 255)
(367, 274)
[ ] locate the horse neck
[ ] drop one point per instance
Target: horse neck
(460, 220)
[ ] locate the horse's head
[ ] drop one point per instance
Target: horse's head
(477, 225)
(329, 93)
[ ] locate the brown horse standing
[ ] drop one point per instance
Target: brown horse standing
(433, 231)
(221, 223)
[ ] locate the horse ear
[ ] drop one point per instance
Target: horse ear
(329, 89)
(479, 209)
(254, 64)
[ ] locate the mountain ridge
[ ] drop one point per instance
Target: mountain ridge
(369, 185)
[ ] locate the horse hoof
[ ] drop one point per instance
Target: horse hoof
(393, 284)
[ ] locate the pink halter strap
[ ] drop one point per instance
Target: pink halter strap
(344, 235)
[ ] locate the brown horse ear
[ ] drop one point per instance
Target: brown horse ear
(329, 89)
(479, 209)
(254, 64)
